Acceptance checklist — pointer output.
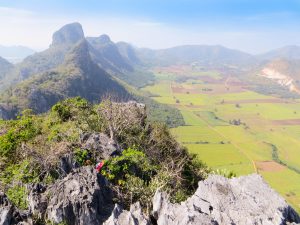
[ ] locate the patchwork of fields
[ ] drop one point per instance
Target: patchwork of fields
(230, 127)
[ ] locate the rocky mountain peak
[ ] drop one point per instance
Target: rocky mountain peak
(104, 38)
(68, 34)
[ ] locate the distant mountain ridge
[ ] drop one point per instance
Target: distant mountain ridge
(5, 66)
(15, 54)
(107, 55)
(90, 67)
(204, 54)
(291, 52)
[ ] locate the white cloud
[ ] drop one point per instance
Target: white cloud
(6, 11)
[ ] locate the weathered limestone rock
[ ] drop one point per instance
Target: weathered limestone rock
(103, 146)
(218, 200)
(81, 198)
(68, 163)
(9, 214)
(123, 217)
(167, 213)
(36, 200)
(6, 210)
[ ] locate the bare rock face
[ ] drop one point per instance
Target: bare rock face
(103, 146)
(167, 213)
(244, 200)
(68, 34)
(123, 217)
(68, 163)
(36, 201)
(9, 214)
(6, 210)
(81, 198)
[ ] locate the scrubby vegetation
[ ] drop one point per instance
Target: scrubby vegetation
(32, 145)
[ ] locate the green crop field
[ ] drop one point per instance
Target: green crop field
(233, 128)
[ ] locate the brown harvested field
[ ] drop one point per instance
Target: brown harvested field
(211, 80)
(269, 166)
(175, 69)
(288, 122)
(232, 81)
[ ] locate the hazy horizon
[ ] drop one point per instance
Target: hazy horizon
(244, 25)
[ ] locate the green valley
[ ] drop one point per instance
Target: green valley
(230, 127)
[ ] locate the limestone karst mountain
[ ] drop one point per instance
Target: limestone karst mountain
(78, 75)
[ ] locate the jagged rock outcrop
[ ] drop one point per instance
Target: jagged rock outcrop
(167, 213)
(6, 210)
(244, 200)
(103, 146)
(9, 214)
(83, 197)
(68, 163)
(218, 200)
(132, 217)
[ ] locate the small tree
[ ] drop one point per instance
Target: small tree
(119, 118)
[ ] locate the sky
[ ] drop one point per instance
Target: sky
(254, 26)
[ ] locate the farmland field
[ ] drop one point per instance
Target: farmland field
(233, 128)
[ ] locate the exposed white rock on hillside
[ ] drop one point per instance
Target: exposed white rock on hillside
(280, 78)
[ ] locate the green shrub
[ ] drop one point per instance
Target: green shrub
(71, 108)
(19, 131)
(131, 162)
(81, 156)
(18, 196)
(23, 172)
(62, 111)
(224, 173)
(8, 143)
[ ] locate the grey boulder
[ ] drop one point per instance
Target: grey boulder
(122, 217)
(101, 144)
(81, 198)
(218, 200)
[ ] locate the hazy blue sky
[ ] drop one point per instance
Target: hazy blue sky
(250, 25)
